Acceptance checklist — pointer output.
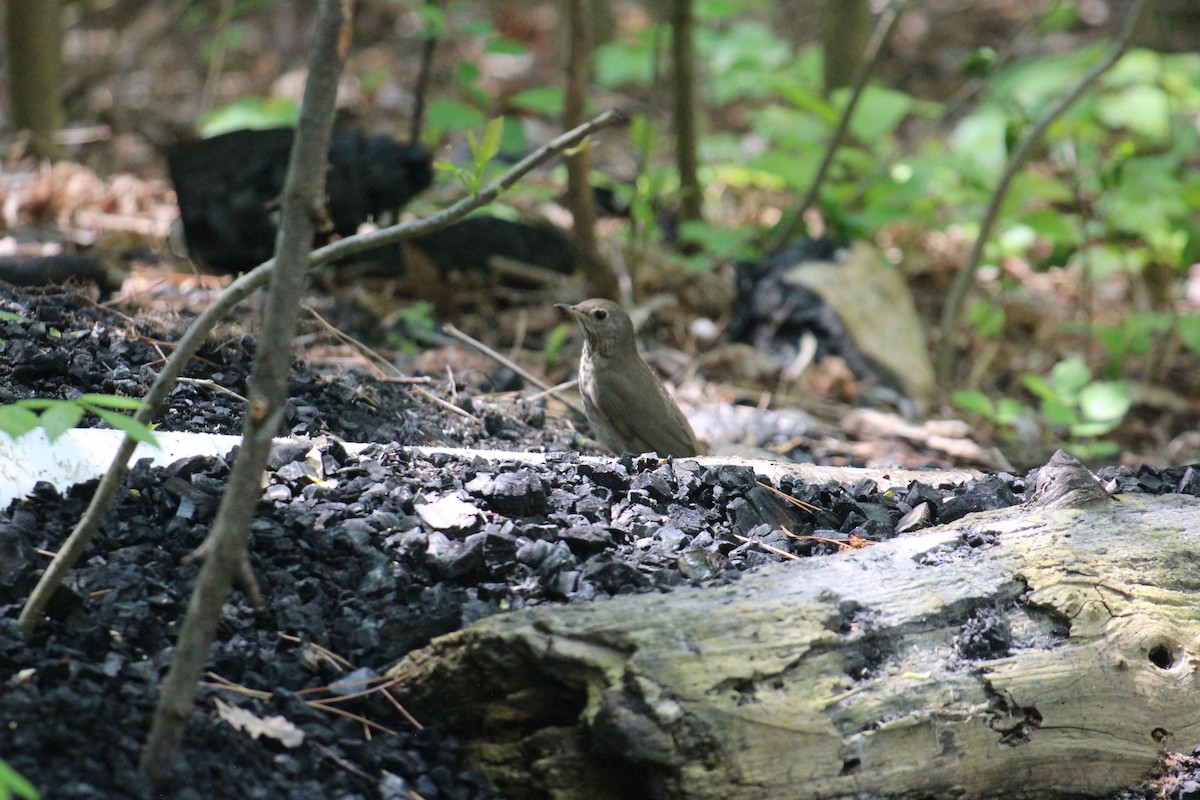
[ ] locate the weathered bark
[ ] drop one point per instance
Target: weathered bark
(1037, 651)
(34, 39)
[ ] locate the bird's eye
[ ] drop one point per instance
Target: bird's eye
(600, 313)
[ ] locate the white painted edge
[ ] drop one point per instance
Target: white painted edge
(83, 454)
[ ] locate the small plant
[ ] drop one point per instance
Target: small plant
(1086, 408)
(483, 150)
(59, 416)
(1002, 413)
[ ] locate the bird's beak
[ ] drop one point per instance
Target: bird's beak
(570, 308)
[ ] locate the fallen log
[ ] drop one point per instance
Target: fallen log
(1032, 652)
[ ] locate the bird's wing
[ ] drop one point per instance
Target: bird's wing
(640, 432)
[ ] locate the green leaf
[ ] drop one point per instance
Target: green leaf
(879, 112)
(251, 112)
(1105, 401)
(619, 64)
(506, 47)
(113, 401)
(434, 20)
(987, 318)
(1008, 411)
(1145, 110)
(13, 783)
(1069, 376)
(37, 403)
(1038, 385)
(1101, 448)
(556, 339)
(546, 100)
(1056, 227)
(452, 115)
(974, 402)
(1188, 329)
(17, 421)
(489, 146)
(477, 27)
(137, 430)
(60, 418)
(798, 170)
(1060, 413)
(1083, 430)
(10, 316)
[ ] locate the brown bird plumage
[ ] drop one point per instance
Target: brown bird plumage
(628, 408)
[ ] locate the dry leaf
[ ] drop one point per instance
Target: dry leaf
(277, 728)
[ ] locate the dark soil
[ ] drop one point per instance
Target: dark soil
(359, 562)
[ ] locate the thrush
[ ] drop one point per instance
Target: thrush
(628, 408)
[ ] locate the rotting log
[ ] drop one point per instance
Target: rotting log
(1037, 651)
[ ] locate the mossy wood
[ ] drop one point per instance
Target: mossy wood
(1038, 651)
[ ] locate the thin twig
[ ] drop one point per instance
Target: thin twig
(809, 507)
(323, 705)
(348, 339)
(883, 29)
(966, 276)
(769, 548)
(853, 543)
(450, 330)
(343, 763)
(555, 390)
(208, 383)
(428, 395)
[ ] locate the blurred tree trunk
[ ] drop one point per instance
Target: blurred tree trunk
(846, 30)
(579, 189)
(34, 37)
(683, 63)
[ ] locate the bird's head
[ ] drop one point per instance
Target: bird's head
(605, 324)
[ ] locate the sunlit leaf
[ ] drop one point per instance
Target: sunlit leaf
(974, 402)
(1069, 376)
(1059, 413)
(1038, 385)
(1105, 401)
(17, 421)
(113, 401)
(135, 429)
(453, 115)
(546, 100)
(60, 418)
(253, 113)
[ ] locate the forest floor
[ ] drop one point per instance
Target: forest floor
(363, 557)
